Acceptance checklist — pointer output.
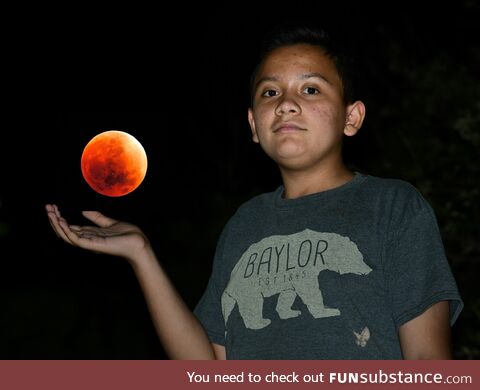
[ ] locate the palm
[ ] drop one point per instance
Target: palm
(119, 239)
(109, 236)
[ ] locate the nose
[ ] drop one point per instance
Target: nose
(287, 106)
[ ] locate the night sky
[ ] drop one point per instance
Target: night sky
(182, 91)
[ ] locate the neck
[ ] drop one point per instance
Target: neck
(305, 182)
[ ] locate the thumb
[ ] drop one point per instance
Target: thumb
(98, 218)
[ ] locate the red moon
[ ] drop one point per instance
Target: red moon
(114, 163)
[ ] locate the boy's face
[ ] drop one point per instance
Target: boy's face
(298, 114)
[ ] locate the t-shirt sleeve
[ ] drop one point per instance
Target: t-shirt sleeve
(418, 274)
(209, 309)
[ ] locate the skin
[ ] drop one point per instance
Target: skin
(428, 335)
(299, 118)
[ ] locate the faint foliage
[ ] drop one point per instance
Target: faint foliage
(3, 229)
(431, 137)
(468, 125)
(427, 127)
(468, 340)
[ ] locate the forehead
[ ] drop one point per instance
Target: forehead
(298, 59)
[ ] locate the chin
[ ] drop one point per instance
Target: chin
(290, 154)
(292, 163)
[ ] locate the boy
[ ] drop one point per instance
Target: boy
(334, 264)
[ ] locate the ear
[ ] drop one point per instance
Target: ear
(251, 120)
(354, 119)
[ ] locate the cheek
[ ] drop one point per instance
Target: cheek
(329, 115)
(261, 117)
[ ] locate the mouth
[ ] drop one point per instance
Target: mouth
(288, 128)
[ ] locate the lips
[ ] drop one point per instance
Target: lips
(288, 128)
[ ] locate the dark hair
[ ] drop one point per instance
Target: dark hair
(287, 35)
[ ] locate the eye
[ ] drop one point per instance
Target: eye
(311, 91)
(270, 93)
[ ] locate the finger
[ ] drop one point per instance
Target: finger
(99, 219)
(53, 227)
(51, 215)
(50, 212)
(83, 231)
(55, 222)
(83, 240)
(62, 222)
(57, 211)
(93, 230)
(68, 233)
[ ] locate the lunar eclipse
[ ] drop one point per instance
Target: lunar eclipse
(114, 163)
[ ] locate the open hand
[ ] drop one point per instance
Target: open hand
(109, 236)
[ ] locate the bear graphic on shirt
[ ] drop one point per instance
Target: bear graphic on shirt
(288, 266)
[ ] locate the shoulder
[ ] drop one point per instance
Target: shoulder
(399, 198)
(258, 202)
(253, 209)
(391, 186)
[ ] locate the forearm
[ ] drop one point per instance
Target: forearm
(180, 332)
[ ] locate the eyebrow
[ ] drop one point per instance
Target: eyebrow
(302, 77)
(315, 75)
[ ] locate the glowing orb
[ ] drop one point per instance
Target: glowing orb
(114, 163)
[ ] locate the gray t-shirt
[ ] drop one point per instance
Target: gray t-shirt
(332, 275)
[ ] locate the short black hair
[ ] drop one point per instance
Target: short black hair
(288, 34)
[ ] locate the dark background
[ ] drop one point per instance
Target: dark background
(178, 82)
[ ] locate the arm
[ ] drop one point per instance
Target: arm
(180, 332)
(428, 335)
(220, 352)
